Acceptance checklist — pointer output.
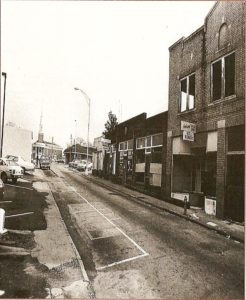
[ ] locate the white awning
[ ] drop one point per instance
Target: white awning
(181, 147)
(212, 141)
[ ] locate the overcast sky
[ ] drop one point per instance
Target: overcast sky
(117, 52)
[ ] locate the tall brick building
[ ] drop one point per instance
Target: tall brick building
(205, 140)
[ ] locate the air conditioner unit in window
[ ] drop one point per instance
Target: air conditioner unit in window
(147, 150)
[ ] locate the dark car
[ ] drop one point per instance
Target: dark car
(44, 163)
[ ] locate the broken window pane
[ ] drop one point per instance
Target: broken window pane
(217, 80)
(191, 91)
(183, 99)
(230, 75)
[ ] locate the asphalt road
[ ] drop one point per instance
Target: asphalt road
(135, 251)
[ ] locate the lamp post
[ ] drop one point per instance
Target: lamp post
(75, 156)
(88, 100)
(5, 78)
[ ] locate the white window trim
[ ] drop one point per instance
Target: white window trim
(151, 143)
(187, 96)
(222, 58)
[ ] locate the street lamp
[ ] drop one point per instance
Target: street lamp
(75, 139)
(88, 100)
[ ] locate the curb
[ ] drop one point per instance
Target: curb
(188, 218)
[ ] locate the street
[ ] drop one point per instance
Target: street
(128, 249)
(134, 251)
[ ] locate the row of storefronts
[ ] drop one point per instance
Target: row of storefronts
(196, 149)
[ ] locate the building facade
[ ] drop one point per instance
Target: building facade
(137, 156)
(47, 149)
(77, 151)
(17, 141)
(206, 114)
(102, 146)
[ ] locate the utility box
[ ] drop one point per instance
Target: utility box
(210, 206)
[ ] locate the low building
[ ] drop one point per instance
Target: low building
(101, 145)
(45, 148)
(137, 156)
(17, 141)
(78, 152)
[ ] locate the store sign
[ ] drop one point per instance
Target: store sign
(188, 136)
(188, 127)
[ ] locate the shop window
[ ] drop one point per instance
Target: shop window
(187, 97)
(157, 140)
(223, 77)
(140, 156)
(130, 145)
(140, 143)
(156, 156)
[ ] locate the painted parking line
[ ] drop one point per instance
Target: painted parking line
(21, 187)
(20, 215)
(144, 253)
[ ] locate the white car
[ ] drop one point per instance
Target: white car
(10, 170)
(26, 166)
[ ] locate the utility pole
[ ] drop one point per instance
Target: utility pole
(4, 92)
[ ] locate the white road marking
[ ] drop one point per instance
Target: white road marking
(115, 226)
(19, 215)
(122, 261)
(21, 187)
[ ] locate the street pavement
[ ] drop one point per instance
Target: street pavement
(38, 257)
(132, 249)
(83, 237)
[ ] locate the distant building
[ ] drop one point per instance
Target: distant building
(45, 148)
(17, 141)
(101, 146)
(79, 152)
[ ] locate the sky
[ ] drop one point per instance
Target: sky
(115, 51)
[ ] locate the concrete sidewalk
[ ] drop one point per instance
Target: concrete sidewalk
(230, 230)
(56, 250)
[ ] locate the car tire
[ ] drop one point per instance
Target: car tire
(24, 170)
(4, 177)
(14, 180)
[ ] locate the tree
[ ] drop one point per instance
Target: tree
(110, 125)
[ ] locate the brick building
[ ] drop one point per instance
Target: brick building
(137, 156)
(205, 140)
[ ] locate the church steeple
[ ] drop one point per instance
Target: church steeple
(40, 133)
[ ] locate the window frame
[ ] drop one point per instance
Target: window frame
(151, 141)
(222, 59)
(187, 77)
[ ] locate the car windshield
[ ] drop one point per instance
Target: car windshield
(11, 163)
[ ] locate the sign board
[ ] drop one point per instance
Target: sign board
(106, 141)
(188, 136)
(188, 127)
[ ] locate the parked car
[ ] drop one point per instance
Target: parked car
(44, 163)
(10, 170)
(1, 189)
(82, 166)
(60, 160)
(74, 163)
(26, 166)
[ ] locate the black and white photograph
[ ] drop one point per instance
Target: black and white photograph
(122, 150)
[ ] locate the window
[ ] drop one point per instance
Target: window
(130, 145)
(187, 97)
(223, 77)
(140, 143)
(157, 140)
